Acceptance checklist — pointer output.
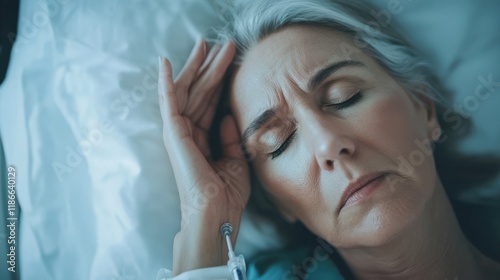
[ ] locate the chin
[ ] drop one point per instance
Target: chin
(380, 220)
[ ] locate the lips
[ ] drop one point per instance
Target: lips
(355, 190)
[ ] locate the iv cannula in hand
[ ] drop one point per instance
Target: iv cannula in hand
(235, 264)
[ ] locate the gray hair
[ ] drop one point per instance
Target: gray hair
(247, 22)
(250, 21)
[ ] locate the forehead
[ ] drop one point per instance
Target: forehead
(283, 61)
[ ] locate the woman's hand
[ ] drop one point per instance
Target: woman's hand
(211, 193)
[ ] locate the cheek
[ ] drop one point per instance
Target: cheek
(397, 133)
(292, 188)
(391, 124)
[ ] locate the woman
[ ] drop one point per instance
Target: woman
(330, 106)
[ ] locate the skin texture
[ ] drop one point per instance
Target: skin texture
(366, 137)
(406, 228)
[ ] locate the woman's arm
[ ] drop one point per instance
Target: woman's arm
(201, 245)
(211, 193)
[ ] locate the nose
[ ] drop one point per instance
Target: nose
(331, 141)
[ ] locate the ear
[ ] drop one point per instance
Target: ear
(427, 106)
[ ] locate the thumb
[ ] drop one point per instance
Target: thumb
(230, 139)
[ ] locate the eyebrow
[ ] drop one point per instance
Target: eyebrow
(322, 74)
(258, 123)
(314, 82)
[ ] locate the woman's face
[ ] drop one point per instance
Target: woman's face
(316, 113)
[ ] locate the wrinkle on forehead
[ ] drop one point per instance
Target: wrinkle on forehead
(280, 65)
(290, 61)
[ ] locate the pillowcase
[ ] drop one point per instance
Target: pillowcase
(81, 122)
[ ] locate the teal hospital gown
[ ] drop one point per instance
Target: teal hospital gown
(298, 264)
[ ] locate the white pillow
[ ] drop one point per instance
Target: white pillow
(461, 39)
(80, 120)
(107, 207)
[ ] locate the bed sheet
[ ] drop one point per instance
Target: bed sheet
(79, 118)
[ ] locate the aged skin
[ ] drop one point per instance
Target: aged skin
(328, 116)
(324, 131)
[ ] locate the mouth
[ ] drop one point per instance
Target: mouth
(361, 188)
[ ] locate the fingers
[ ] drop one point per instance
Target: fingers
(204, 95)
(210, 56)
(192, 66)
(221, 62)
(230, 139)
(166, 90)
(174, 125)
(210, 79)
(204, 118)
(200, 137)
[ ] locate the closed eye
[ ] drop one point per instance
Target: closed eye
(353, 100)
(337, 106)
(283, 146)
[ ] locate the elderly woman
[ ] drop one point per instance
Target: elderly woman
(329, 105)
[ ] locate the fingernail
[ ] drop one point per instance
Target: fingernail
(204, 47)
(213, 50)
(226, 45)
(217, 47)
(160, 62)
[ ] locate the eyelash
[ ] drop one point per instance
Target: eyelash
(339, 106)
(354, 99)
(283, 146)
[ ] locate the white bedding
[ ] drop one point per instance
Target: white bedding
(79, 119)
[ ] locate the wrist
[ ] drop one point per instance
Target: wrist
(199, 243)
(209, 216)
